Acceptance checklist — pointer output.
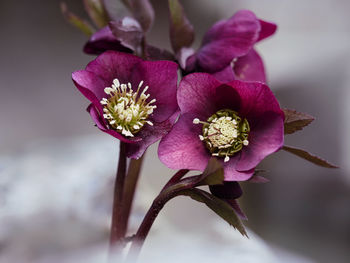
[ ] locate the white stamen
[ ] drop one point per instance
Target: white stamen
(116, 83)
(201, 137)
(245, 142)
(226, 159)
(196, 121)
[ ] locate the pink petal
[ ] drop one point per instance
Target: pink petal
(161, 77)
(228, 39)
(149, 135)
(265, 137)
(181, 148)
(112, 64)
(90, 85)
(267, 29)
(250, 67)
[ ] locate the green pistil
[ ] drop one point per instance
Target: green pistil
(224, 133)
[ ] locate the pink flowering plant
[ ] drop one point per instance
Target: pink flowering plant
(220, 119)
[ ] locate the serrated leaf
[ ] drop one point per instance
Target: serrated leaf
(76, 21)
(235, 206)
(309, 157)
(220, 207)
(143, 11)
(181, 30)
(295, 121)
(97, 12)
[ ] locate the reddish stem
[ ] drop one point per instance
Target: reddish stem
(117, 233)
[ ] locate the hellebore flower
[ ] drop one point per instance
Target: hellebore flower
(238, 122)
(131, 99)
(227, 49)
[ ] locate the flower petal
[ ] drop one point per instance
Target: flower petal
(228, 39)
(266, 137)
(197, 94)
(250, 67)
(267, 29)
(113, 64)
(225, 75)
(96, 117)
(161, 77)
(232, 174)
(181, 148)
(102, 41)
(149, 135)
(256, 99)
(90, 85)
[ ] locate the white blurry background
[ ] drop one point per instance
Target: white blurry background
(56, 168)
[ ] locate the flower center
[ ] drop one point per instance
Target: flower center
(125, 110)
(224, 133)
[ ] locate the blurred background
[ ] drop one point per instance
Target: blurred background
(56, 168)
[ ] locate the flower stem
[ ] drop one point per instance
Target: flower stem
(151, 215)
(129, 191)
(117, 233)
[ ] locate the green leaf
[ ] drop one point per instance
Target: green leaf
(76, 21)
(181, 30)
(97, 12)
(213, 173)
(295, 121)
(143, 12)
(220, 207)
(309, 157)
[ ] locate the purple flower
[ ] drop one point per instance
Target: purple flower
(131, 99)
(238, 122)
(122, 35)
(102, 41)
(227, 49)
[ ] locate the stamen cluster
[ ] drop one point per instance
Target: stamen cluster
(224, 133)
(125, 110)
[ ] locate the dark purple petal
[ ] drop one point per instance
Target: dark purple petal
(202, 95)
(90, 85)
(149, 135)
(128, 32)
(225, 75)
(265, 137)
(102, 126)
(196, 93)
(181, 148)
(112, 64)
(161, 77)
(250, 67)
(228, 39)
(256, 99)
(227, 190)
(267, 29)
(102, 41)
